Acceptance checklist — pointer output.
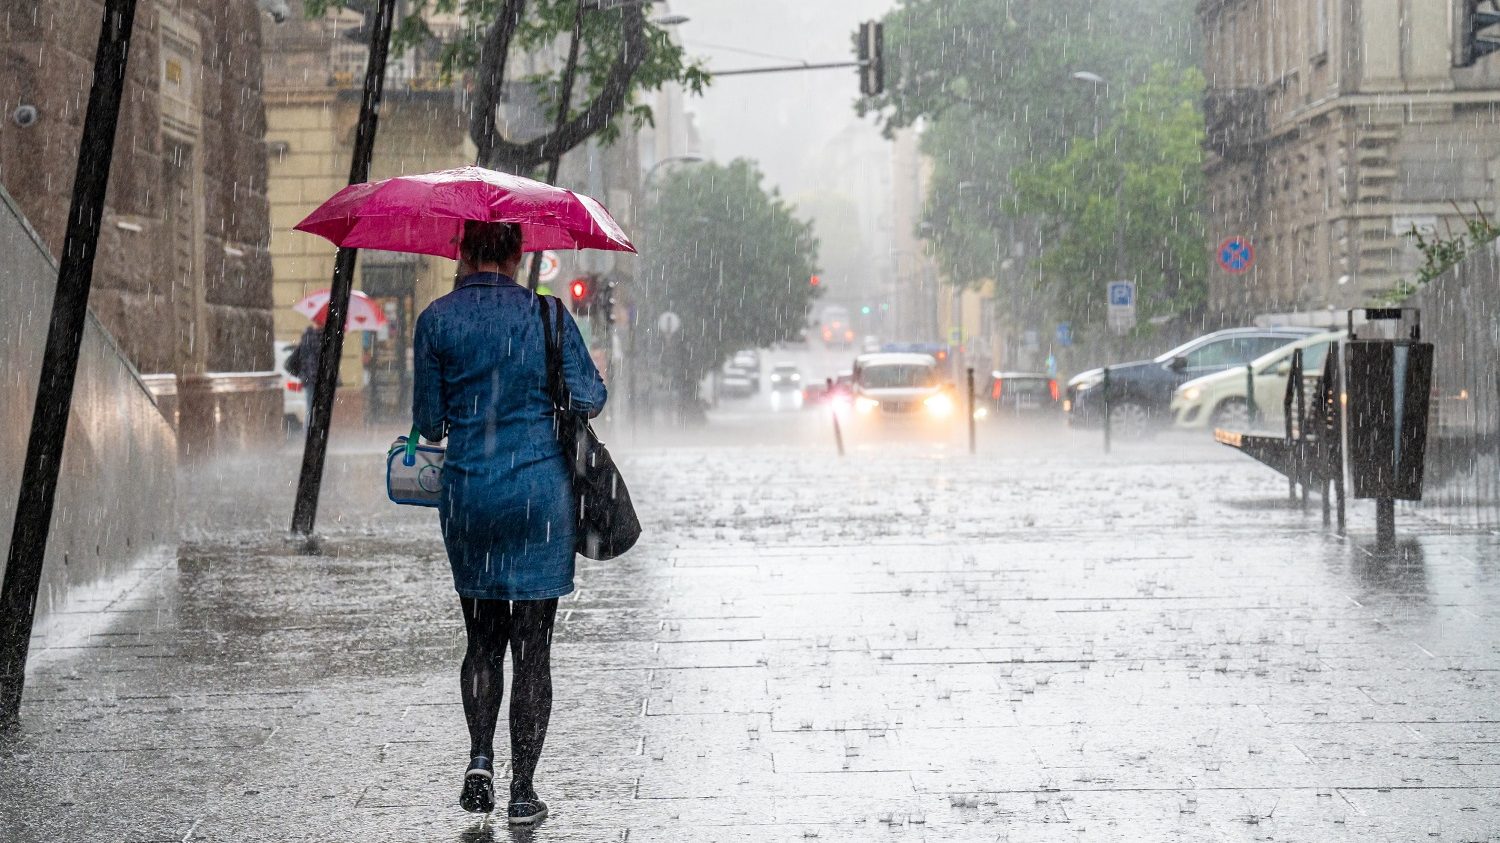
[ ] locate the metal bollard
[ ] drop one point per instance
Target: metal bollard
(971, 410)
(1251, 410)
(838, 435)
(1104, 387)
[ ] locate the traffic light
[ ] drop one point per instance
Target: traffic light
(872, 58)
(815, 281)
(582, 292)
(1469, 23)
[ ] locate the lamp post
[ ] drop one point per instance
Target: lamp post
(1096, 80)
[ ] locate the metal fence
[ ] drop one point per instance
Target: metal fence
(1461, 317)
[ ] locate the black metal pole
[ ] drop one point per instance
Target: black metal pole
(833, 410)
(570, 69)
(331, 342)
(1104, 390)
(54, 395)
(1251, 410)
(970, 373)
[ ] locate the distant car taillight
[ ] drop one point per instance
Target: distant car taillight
(1052, 385)
(294, 385)
(997, 389)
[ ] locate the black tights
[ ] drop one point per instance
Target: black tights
(526, 625)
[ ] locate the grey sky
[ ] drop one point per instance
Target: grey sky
(785, 120)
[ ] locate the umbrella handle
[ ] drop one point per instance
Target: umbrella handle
(411, 447)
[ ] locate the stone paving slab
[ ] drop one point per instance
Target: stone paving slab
(907, 644)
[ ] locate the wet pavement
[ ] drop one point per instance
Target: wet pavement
(907, 643)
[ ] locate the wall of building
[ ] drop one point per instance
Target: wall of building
(183, 276)
(116, 496)
(1333, 127)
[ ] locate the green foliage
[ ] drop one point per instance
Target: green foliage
(1006, 64)
(1145, 168)
(544, 23)
(991, 85)
(731, 259)
(1440, 253)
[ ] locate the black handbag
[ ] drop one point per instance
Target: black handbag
(607, 525)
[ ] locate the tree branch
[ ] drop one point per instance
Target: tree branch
(497, 151)
(489, 78)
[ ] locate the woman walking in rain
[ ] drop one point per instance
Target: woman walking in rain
(507, 511)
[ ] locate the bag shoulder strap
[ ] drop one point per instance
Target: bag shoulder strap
(552, 329)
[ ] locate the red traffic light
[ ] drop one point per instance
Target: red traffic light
(579, 288)
(815, 281)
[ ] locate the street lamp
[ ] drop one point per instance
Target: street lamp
(688, 158)
(1096, 80)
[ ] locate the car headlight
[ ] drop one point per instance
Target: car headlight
(982, 413)
(1191, 394)
(865, 406)
(939, 405)
(796, 378)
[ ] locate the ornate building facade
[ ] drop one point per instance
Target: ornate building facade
(1333, 128)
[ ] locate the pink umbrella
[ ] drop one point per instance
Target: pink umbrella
(364, 313)
(425, 213)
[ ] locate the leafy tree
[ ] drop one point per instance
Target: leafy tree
(731, 260)
(620, 55)
(1140, 181)
(991, 84)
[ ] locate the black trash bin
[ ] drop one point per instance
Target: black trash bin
(1388, 388)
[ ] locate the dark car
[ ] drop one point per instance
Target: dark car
(1140, 392)
(1019, 395)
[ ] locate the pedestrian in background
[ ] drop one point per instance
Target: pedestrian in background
(507, 511)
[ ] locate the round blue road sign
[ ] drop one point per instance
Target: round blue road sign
(1236, 255)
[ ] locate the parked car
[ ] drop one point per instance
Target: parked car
(1019, 395)
(1140, 392)
(1218, 400)
(293, 399)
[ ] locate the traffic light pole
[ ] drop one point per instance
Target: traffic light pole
(54, 395)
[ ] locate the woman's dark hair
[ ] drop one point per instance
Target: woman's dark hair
(486, 242)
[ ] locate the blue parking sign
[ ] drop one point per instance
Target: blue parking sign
(1065, 334)
(1121, 294)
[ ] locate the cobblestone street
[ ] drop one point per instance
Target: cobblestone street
(908, 643)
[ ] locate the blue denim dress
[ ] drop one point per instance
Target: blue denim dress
(507, 509)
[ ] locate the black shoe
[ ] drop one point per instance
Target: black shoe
(479, 787)
(526, 811)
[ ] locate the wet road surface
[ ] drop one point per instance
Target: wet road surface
(907, 643)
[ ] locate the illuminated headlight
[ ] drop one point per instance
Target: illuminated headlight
(776, 379)
(796, 378)
(864, 406)
(1191, 394)
(939, 405)
(982, 413)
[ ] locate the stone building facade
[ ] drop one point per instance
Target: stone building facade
(1333, 127)
(183, 274)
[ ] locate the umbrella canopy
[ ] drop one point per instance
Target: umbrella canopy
(364, 313)
(425, 213)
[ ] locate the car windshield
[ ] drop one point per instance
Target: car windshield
(897, 376)
(1312, 358)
